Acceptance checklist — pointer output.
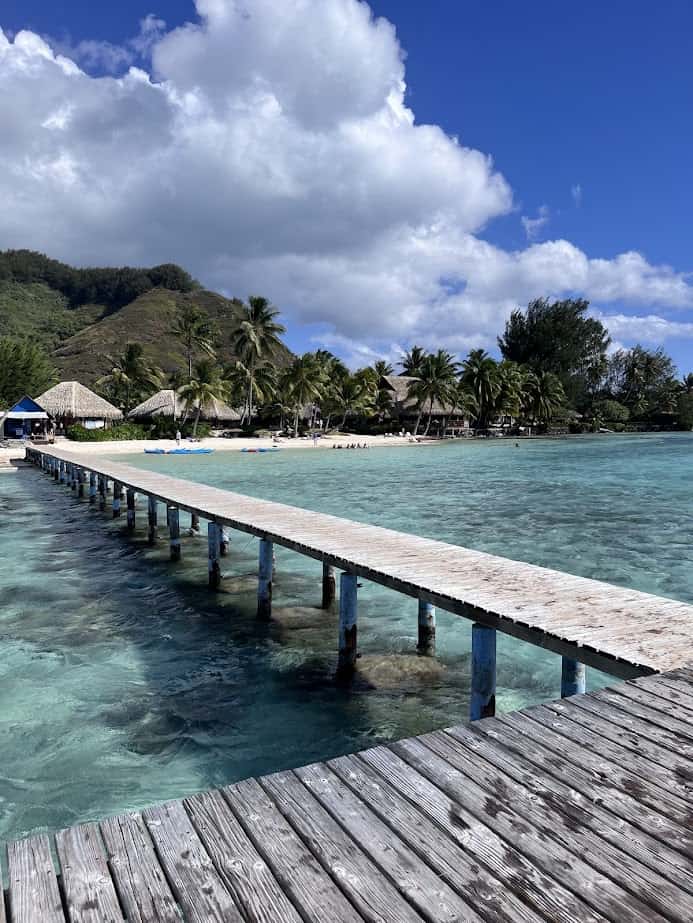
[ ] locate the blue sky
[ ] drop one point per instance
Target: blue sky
(584, 108)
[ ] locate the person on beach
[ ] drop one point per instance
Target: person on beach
(177, 437)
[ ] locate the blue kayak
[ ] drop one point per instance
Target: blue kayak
(179, 451)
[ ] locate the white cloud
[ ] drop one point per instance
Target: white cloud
(270, 149)
(576, 193)
(650, 328)
(533, 226)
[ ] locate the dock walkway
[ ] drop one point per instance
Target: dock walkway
(579, 810)
(621, 631)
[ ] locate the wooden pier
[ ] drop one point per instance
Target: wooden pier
(578, 810)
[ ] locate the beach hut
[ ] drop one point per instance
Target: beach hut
(26, 419)
(168, 403)
(404, 409)
(70, 403)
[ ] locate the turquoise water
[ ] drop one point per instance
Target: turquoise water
(124, 682)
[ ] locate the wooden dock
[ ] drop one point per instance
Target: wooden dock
(579, 810)
(624, 632)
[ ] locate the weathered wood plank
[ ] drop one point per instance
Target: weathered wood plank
(516, 873)
(376, 899)
(422, 887)
(550, 855)
(33, 893)
(191, 874)
(139, 879)
(89, 893)
(486, 894)
(662, 712)
(303, 879)
(246, 875)
(560, 816)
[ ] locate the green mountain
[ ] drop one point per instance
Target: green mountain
(84, 317)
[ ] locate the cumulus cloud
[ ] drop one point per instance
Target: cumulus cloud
(533, 226)
(268, 147)
(650, 328)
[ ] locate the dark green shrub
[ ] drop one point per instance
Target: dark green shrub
(121, 431)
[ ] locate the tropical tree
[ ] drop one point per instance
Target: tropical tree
(686, 384)
(436, 381)
(131, 377)
(480, 376)
(205, 386)
(543, 396)
(352, 395)
(463, 402)
(260, 381)
(304, 382)
(411, 360)
(194, 330)
(256, 340)
(382, 368)
(24, 369)
(510, 380)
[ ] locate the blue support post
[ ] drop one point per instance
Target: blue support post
(213, 556)
(130, 499)
(152, 520)
(483, 701)
(264, 583)
(81, 478)
(348, 631)
(116, 500)
(56, 470)
(63, 472)
(102, 493)
(173, 517)
(73, 478)
(427, 628)
(572, 677)
(92, 488)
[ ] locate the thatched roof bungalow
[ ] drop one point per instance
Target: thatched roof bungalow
(168, 403)
(71, 402)
(402, 404)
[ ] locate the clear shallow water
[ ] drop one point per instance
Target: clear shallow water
(123, 682)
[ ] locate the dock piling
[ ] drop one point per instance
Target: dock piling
(329, 585)
(483, 700)
(213, 556)
(63, 472)
(173, 517)
(264, 583)
(427, 628)
(116, 500)
(81, 479)
(130, 495)
(92, 488)
(152, 520)
(223, 541)
(572, 677)
(102, 493)
(348, 613)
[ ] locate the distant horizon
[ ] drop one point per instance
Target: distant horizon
(260, 154)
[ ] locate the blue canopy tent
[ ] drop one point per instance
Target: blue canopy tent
(24, 420)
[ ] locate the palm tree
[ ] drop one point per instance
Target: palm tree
(411, 361)
(304, 382)
(686, 385)
(194, 330)
(261, 380)
(463, 402)
(256, 339)
(382, 368)
(206, 386)
(479, 374)
(544, 395)
(352, 395)
(436, 381)
(511, 380)
(130, 376)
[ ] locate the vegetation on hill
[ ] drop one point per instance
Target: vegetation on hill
(131, 331)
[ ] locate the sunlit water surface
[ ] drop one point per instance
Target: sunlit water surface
(124, 682)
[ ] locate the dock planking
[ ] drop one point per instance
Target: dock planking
(520, 818)
(624, 632)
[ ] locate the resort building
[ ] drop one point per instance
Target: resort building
(168, 403)
(70, 403)
(405, 410)
(25, 420)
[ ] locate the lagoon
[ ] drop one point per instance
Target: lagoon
(124, 682)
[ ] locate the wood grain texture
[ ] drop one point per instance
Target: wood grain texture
(33, 894)
(90, 896)
(190, 872)
(139, 879)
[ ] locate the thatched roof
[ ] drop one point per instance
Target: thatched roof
(167, 403)
(398, 385)
(72, 400)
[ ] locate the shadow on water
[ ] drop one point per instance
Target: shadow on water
(125, 681)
